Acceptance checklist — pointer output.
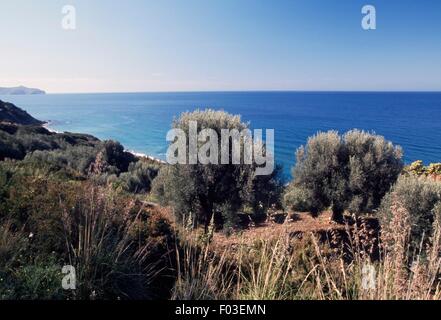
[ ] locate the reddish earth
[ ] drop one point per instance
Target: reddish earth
(295, 226)
(436, 177)
(298, 224)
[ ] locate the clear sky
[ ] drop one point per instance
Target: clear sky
(198, 45)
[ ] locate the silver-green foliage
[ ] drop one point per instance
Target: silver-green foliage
(421, 197)
(205, 189)
(345, 172)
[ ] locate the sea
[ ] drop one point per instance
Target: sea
(140, 121)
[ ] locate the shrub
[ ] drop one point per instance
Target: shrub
(420, 196)
(417, 168)
(139, 176)
(76, 158)
(352, 172)
(434, 168)
(204, 189)
(38, 281)
(114, 155)
(63, 150)
(115, 245)
(118, 246)
(374, 166)
(298, 198)
(265, 192)
(10, 148)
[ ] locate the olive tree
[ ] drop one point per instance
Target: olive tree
(343, 172)
(319, 175)
(374, 165)
(199, 190)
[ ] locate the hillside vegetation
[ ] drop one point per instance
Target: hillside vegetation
(353, 224)
(10, 113)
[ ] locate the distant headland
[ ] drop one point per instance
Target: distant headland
(20, 91)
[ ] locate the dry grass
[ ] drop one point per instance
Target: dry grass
(106, 246)
(276, 266)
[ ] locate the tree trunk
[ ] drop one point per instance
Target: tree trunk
(337, 214)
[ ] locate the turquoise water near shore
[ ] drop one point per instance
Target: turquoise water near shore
(140, 121)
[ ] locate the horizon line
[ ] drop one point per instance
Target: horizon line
(248, 91)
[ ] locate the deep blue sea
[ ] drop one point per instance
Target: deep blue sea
(140, 121)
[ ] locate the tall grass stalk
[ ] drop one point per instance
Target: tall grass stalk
(309, 269)
(102, 248)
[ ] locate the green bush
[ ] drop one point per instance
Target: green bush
(349, 172)
(62, 151)
(139, 177)
(38, 281)
(115, 156)
(78, 158)
(298, 198)
(421, 197)
(16, 141)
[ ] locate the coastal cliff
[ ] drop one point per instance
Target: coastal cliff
(13, 114)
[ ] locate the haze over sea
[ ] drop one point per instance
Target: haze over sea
(140, 121)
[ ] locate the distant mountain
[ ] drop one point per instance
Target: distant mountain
(21, 90)
(11, 113)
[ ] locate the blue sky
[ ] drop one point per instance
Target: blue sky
(196, 45)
